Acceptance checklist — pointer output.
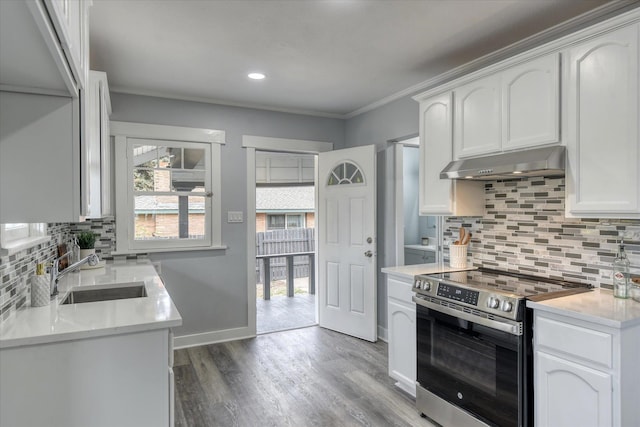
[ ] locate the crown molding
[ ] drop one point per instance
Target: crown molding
(606, 11)
(207, 100)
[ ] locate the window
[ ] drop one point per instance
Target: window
(167, 190)
(282, 221)
(18, 236)
(345, 173)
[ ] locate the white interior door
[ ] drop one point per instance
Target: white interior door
(347, 241)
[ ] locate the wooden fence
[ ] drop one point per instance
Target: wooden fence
(289, 241)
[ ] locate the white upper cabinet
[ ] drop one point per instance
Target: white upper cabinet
(511, 109)
(96, 146)
(531, 103)
(44, 46)
(603, 165)
(477, 118)
(39, 158)
(442, 196)
(70, 20)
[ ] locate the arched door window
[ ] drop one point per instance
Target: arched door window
(345, 173)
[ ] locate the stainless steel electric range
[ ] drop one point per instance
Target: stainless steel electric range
(474, 345)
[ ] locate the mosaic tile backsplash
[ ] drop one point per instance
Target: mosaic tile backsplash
(524, 228)
(16, 269)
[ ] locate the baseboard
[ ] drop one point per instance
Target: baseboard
(213, 337)
(382, 333)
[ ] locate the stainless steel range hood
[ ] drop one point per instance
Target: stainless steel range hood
(547, 161)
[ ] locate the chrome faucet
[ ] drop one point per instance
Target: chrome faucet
(54, 275)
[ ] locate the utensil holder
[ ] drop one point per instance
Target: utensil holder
(40, 294)
(458, 256)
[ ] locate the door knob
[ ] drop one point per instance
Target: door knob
(368, 254)
(369, 240)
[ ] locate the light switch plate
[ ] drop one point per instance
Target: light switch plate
(234, 216)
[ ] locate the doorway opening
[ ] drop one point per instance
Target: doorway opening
(419, 237)
(285, 212)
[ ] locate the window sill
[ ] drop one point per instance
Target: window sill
(22, 244)
(167, 250)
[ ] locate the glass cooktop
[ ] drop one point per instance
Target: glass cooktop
(523, 285)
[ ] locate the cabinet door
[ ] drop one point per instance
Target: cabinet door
(96, 146)
(443, 196)
(412, 257)
(435, 153)
(39, 158)
(531, 103)
(70, 20)
(477, 118)
(401, 317)
(603, 149)
(569, 394)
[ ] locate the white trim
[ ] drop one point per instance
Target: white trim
(542, 41)
(251, 239)
(383, 334)
(124, 133)
(398, 196)
(215, 101)
(213, 337)
(163, 132)
(282, 144)
(166, 250)
(22, 244)
(251, 143)
(517, 53)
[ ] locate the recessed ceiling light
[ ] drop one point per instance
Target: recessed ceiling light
(516, 172)
(256, 76)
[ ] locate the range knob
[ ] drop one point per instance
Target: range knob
(426, 285)
(418, 283)
(506, 306)
(493, 302)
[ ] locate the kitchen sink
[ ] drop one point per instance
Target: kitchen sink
(113, 292)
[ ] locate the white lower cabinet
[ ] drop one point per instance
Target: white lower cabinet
(116, 380)
(401, 311)
(586, 374)
(571, 394)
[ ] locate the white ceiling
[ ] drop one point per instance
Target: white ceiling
(326, 57)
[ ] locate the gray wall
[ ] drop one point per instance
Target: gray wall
(397, 120)
(210, 287)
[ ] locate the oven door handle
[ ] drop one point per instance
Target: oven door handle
(505, 325)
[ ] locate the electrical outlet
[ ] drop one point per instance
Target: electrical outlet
(234, 216)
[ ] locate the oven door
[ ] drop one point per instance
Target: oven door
(471, 365)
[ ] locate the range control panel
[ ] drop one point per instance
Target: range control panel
(481, 299)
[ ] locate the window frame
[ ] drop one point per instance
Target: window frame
(302, 216)
(24, 236)
(126, 135)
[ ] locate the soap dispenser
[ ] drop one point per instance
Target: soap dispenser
(621, 273)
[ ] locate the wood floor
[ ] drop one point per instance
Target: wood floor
(302, 377)
(282, 312)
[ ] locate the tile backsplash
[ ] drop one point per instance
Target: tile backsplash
(16, 269)
(524, 228)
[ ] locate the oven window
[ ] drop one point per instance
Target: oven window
(466, 358)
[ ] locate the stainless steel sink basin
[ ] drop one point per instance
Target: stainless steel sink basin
(102, 293)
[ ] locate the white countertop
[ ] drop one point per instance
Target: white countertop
(53, 323)
(409, 271)
(598, 307)
(430, 248)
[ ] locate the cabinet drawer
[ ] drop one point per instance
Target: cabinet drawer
(582, 343)
(400, 290)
